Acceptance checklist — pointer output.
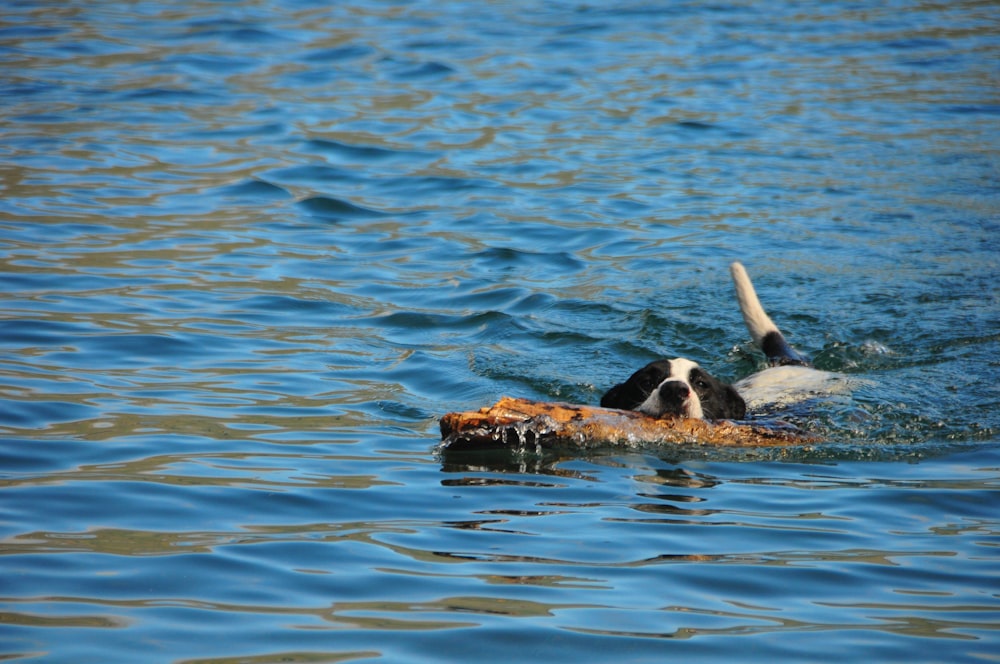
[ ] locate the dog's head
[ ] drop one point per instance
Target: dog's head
(676, 388)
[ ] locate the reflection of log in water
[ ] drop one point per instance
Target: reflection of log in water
(524, 425)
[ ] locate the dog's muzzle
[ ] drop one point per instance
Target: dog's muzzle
(674, 397)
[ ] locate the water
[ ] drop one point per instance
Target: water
(252, 252)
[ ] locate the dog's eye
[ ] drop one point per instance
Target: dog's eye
(701, 384)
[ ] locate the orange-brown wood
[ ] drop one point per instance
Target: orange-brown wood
(525, 424)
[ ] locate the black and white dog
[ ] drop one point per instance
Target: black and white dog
(681, 388)
(676, 388)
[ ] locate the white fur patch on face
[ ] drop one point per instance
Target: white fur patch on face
(680, 372)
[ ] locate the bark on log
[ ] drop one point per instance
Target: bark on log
(525, 425)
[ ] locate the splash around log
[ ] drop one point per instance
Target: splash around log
(524, 425)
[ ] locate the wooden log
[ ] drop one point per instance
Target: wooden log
(531, 426)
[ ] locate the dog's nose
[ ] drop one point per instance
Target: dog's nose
(674, 391)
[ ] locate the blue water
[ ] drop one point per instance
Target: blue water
(251, 252)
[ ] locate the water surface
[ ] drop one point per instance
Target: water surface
(250, 253)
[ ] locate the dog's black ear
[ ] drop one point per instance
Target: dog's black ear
(735, 404)
(612, 398)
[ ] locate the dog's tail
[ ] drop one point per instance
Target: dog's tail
(765, 333)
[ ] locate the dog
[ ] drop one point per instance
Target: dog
(676, 388)
(681, 388)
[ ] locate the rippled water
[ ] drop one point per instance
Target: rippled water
(250, 254)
